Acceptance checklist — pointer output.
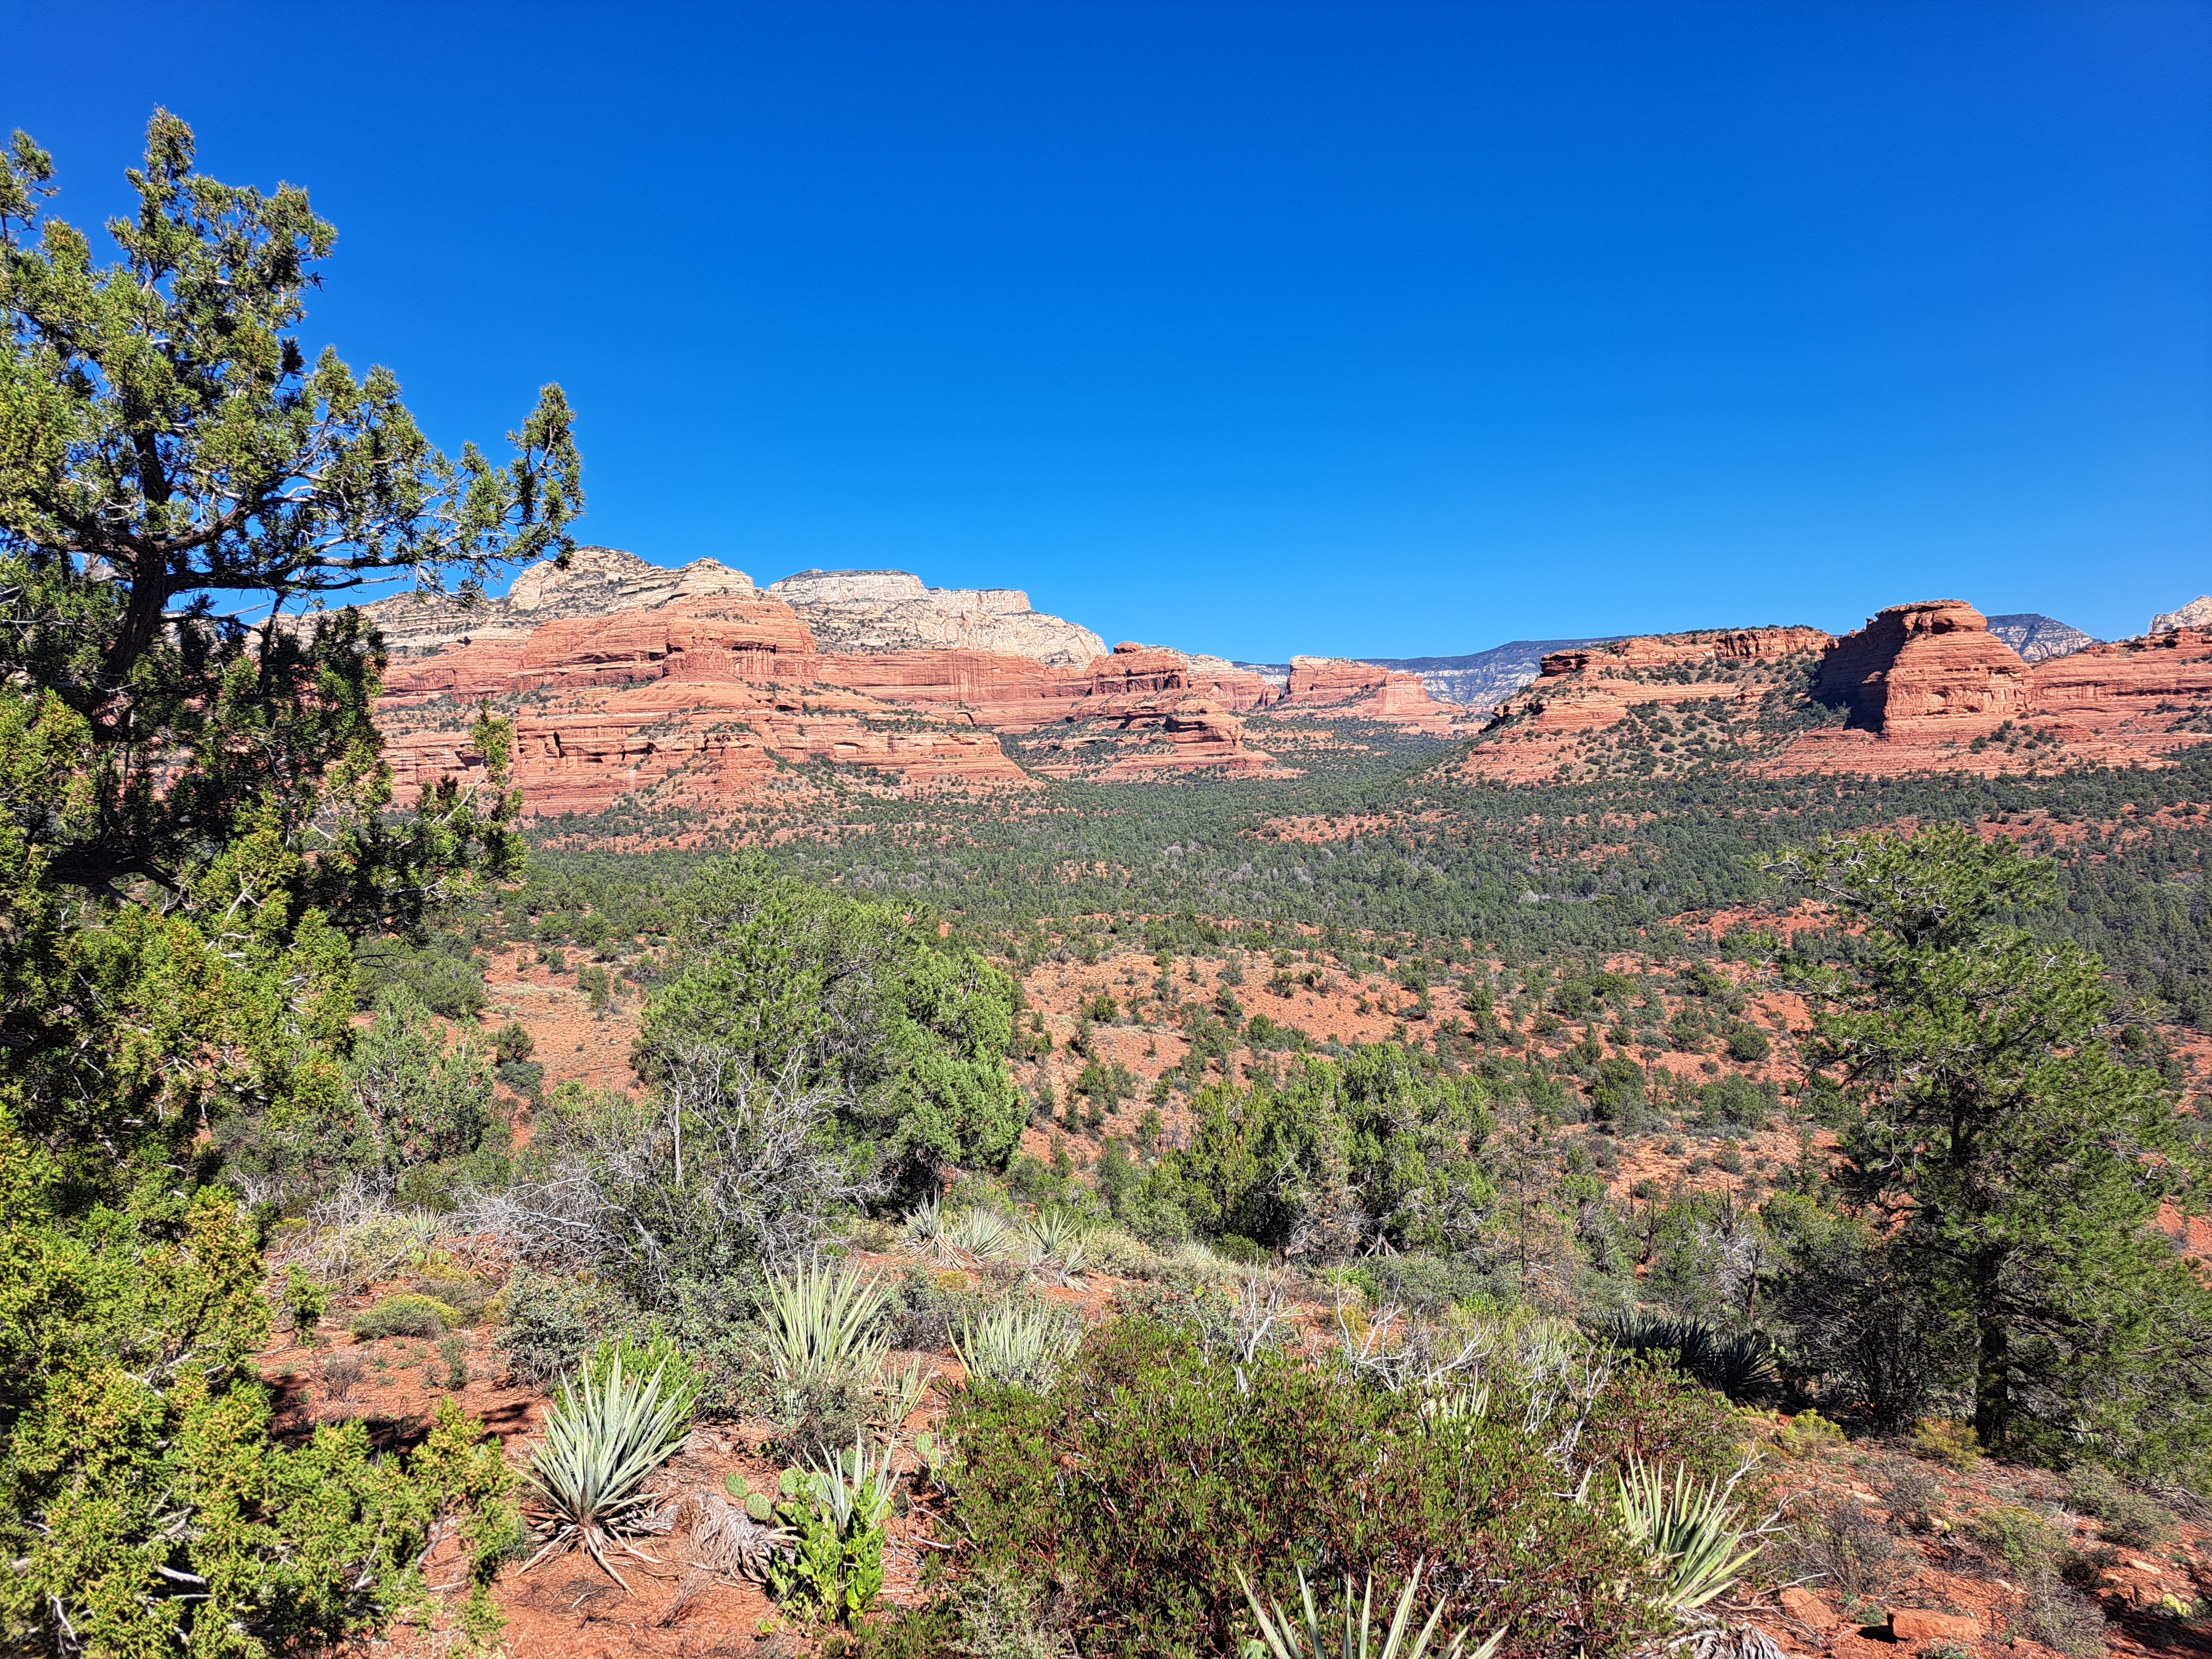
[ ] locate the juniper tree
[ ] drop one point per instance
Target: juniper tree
(2009, 1156)
(194, 824)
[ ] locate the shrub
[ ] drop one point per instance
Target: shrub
(1948, 1441)
(2130, 1518)
(554, 1321)
(306, 1300)
(405, 1315)
(1836, 1542)
(837, 1513)
(1150, 1474)
(1809, 1435)
(342, 1373)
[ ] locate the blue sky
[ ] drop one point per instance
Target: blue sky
(1368, 329)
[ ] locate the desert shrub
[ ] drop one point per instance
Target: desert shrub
(1948, 1441)
(1239, 1249)
(306, 1300)
(1122, 1254)
(1808, 1434)
(2032, 1553)
(1150, 1473)
(1651, 1414)
(404, 1315)
(1833, 1542)
(1911, 1497)
(2130, 1518)
(342, 1372)
(553, 1321)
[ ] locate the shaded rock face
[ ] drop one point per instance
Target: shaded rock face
(1929, 671)
(884, 611)
(2197, 613)
(599, 581)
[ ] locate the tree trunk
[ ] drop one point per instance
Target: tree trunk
(1993, 1360)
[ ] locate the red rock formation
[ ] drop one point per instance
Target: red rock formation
(1592, 688)
(1368, 692)
(2129, 701)
(1926, 673)
(695, 704)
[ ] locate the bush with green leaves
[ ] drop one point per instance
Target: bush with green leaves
(836, 1511)
(1336, 1156)
(912, 1029)
(1149, 1474)
(405, 1315)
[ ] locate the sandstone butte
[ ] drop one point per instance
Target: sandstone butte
(1917, 689)
(693, 691)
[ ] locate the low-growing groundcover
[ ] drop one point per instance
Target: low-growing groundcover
(1128, 1496)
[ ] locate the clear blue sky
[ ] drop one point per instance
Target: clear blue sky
(1363, 329)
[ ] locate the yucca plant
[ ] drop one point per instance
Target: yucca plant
(1051, 1242)
(1019, 1341)
(1738, 1364)
(605, 1435)
(1289, 1639)
(900, 1389)
(981, 1236)
(821, 1319)
(923, 1229)
(1694, 1534)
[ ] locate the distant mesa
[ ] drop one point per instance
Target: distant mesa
(2197, 613)
(1928, 686)
(881, 611)
(2037, 638)
(1483, 679)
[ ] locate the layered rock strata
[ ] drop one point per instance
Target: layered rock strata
(1925, 673)
(1364, 690)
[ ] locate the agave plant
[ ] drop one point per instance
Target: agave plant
(1019, 1341)
(822, 1318)
(1695, 1534)
(923, 1229)
(603, 1438)
(1288, 1638)
(1738, 1364)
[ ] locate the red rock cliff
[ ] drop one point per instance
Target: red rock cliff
(1929, 673)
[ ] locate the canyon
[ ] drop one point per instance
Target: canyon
(695, 694)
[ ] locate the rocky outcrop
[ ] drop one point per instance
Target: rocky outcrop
(2037, 639)
(1481, 679)
(595, 581)
(2197, 613)
(1924, 673)
(2136, 701)
(1643, 706)
(888, 610)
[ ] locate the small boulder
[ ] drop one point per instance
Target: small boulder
(1808, 1608)
(1912, 1624)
